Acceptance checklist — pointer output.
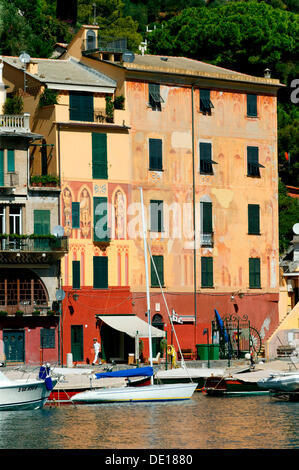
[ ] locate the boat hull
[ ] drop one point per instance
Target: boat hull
(218, 386)
(281, 383)
(138, 394)
(24, 395)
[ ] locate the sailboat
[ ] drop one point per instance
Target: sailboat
(152, 392)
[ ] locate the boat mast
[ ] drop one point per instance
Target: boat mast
(147, 281)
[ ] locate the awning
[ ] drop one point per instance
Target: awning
(131, 325)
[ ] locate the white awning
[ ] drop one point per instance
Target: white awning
(131, 325)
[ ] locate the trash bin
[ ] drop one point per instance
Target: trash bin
(214, 351)
(131, 359)
(202, 352)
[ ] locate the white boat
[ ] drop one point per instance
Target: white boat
(153, 392)
(181, 374)
(24, 394)
(282, 382)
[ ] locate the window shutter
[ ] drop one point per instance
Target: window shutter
(47, 338)
(1, 167)
(154, 97)
(206, 271)
(252, 105)
(159, 263)
(253, 165)
(207, 217)
(205, 103)
(253, 219)
(81, 106)
(11, 161)
(156, 216)
(76, 275)
(155, 154)
(99, 156)
(100, 272)
(41, 222)
(205, 152)
(100, 218)
(254, 273)
(76, 214)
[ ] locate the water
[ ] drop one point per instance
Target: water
(200, 423)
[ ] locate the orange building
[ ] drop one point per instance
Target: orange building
(202, 143)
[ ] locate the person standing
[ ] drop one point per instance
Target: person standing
(97, 351)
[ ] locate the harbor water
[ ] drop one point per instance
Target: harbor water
(252, 422)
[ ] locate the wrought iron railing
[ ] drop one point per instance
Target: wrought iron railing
(33, 244)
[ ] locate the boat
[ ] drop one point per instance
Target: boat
(152, 392)
(25, 394)
(198, 375)
(237, 384)
(281, 382)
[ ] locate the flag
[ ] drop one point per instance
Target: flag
(287, 156)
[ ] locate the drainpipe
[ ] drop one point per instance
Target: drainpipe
(194, 218)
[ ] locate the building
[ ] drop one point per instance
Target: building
(202, 143)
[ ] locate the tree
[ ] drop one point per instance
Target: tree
(288, 216)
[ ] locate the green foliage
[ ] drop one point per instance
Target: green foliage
(119, 102)
(48, 97)
(288, 216)
(109, 109)
(288, 131)
(13, 105)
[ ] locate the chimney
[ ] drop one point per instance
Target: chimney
(32, 68)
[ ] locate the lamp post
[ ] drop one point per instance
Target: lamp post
(206, 332)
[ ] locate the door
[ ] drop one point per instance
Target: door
(77, 342)
(14, 345)
(157, 322)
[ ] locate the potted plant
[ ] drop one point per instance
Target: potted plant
(19, 313)
(48, 97)
(109, 109)
(36, 313)
(3, 313)
(50, 313)
(119, 102)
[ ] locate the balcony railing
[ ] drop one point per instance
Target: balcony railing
(116, 45)
(36, 244)
(14, 122)
(10, 180)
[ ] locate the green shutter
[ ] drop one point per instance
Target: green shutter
(76, 214)
(156, 216)
(41, 222)
(207, 217)
(159, 263)
(100, 218)
(205, 153)
(76, 275)
(99, 156)
(1, 167)
(155, 154)
(11, 161)
(253, 165)
(100, 272)
(206, 271)
(252, 105)
(254, 273)
(81, 106)
(254, 219)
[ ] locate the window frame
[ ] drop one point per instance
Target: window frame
(205, 103)
(155, 161)
(207, 272)
(154, 97)
(76, 274)
(250, 106)
(254, 223)
(157, 225)
(105, 264)
(204, 161)
(253, 164)
(75, 215)
(159, 267)
(254, 273)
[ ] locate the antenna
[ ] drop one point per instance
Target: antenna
(58, 231)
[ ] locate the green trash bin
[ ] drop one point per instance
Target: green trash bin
(214, 351)
(202, 352)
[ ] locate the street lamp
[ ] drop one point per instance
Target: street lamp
(206, 332)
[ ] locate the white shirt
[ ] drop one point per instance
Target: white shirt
(96, 347)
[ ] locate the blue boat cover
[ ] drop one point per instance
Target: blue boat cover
(221, 326)
(138, 372)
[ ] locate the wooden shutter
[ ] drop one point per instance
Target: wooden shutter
(76, 214)
(252, 105)
(159, 263)
(41, 222)
(99, 156)
(154, 97)
(1, 167)
(155, 154)
(81, 106)
(205, 103)
(206, 271)
(254, 273)
(156, 216)
(205, 152)
(100, 272)
(100, 217)
(253, 165)
(11, 161)
(254, 219)
(207, 217)
(76, 274)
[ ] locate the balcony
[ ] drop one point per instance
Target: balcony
(9, 181)
(114, 45)
(32, 249)
(14, 122)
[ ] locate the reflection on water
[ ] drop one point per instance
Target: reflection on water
(200, 423)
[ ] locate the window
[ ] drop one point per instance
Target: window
(100, 272)
(206, 225)
(252, 105)
(76, 275)
(253, 219)
(253, 165)
(206, 162)
(205, 103)
(254, 273)
(81, 106)
(159, 263)
(41, 222)
(2, 219)
(90, 40)
(156, 208)
(76, 214)
(1, 167)
(206, 271)
(99, 156)
(15, 225)
(47, 338)
(154, 97)
(10, 161)
(155, 154)
(100, 218)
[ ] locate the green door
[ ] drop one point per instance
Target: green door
(41, 227)
(77, 342)
(14, 345)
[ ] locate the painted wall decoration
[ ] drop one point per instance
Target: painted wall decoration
(67, 211)
(119, 205)
(85, 213)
